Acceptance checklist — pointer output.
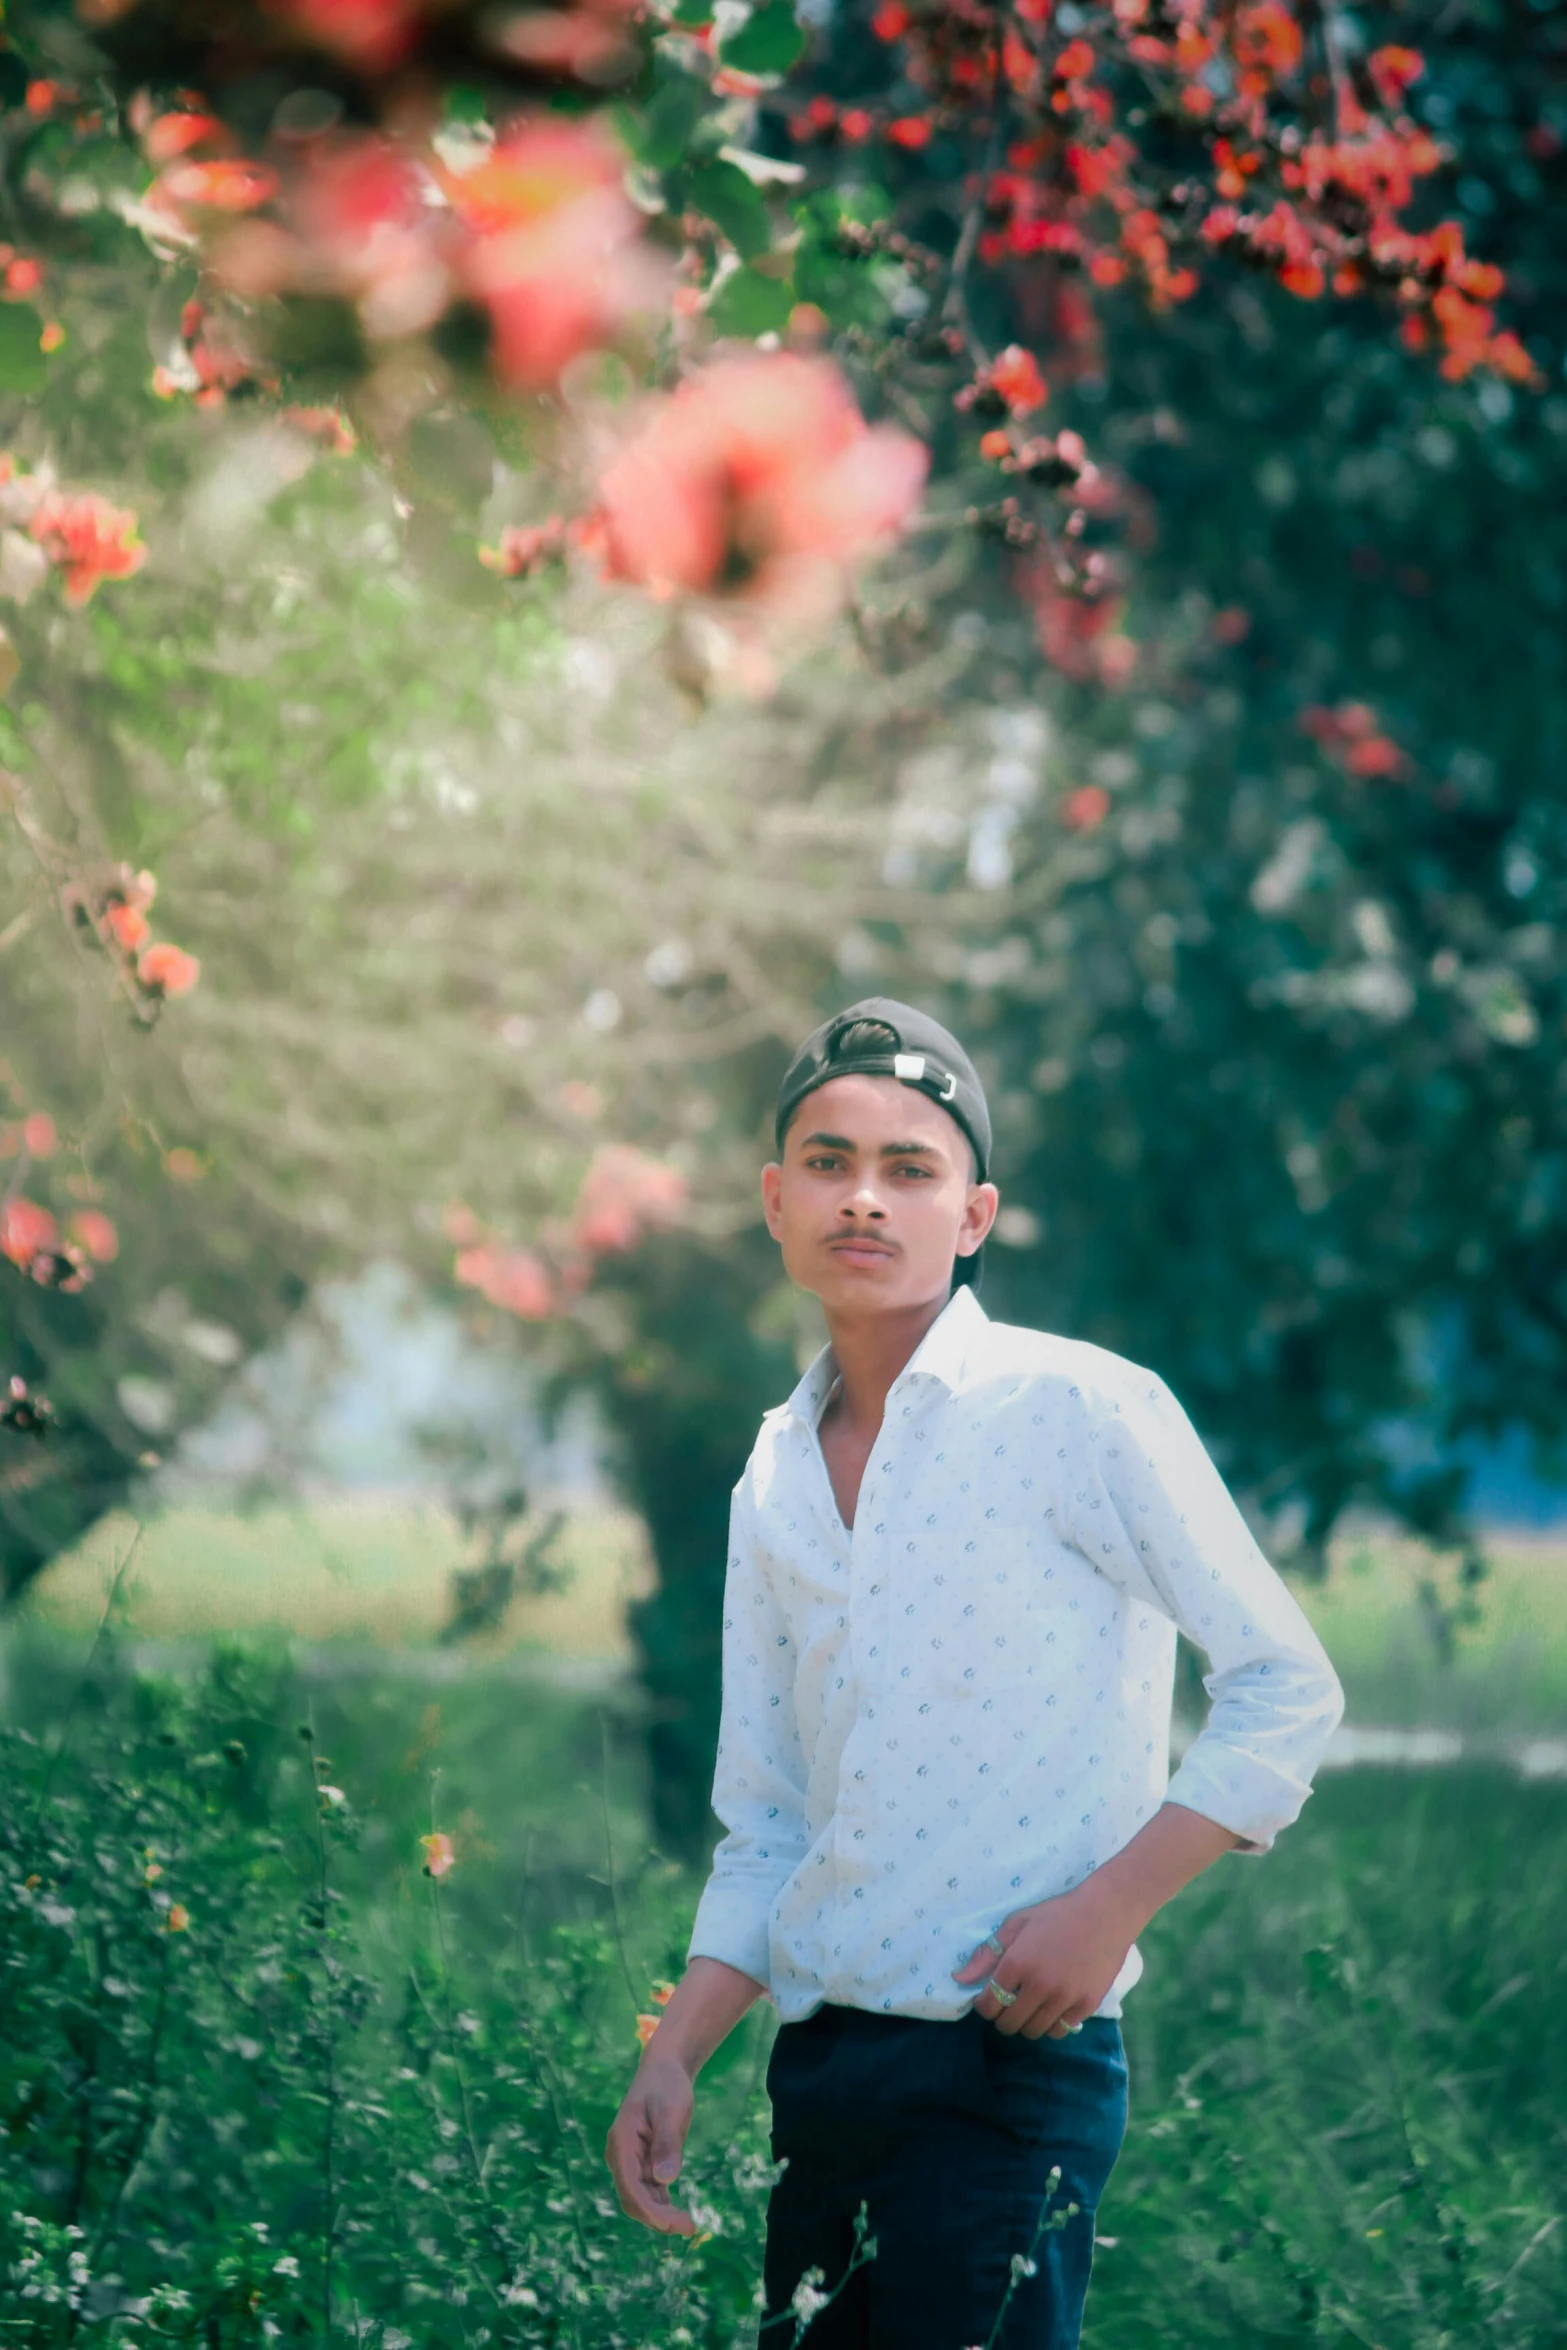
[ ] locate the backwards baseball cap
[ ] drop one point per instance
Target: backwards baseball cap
(883, 1038)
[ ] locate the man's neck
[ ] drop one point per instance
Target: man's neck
(869, 1350)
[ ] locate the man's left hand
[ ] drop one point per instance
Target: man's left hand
(1060, 1957)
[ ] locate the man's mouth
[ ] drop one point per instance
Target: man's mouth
(858, 1244)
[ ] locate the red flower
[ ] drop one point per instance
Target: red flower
(1075, 60)
(38, 1134)
(1268, 38)
(1392, 70)
(25, 1229)
(327, 425)
(1015, 375)
(88, 538)
(231, 184)
(1085, 807)
(891, 21)
(552, 252)
(96, 1234)
(909, 130)
(372, 35)
(624, 1192)
(23, 276)
(513, 1279)
(175, 134)
(525, 548)
(758, 476)
(168, 970)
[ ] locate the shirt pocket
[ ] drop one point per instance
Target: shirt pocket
(976, 1625)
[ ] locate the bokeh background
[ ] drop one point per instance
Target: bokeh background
(362, 1516)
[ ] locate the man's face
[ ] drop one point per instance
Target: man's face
(874, 1196)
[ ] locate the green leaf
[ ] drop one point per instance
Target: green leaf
(23, 366)
(665, 137)
(734, 204)
(749, 304)
(770, 41)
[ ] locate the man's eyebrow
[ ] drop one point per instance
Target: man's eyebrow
(889, 1150)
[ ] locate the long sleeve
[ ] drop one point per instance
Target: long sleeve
(759, 1783)
(1151, 1512)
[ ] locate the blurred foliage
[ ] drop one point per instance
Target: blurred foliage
(263, 2080)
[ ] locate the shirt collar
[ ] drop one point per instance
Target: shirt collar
(941, 1355)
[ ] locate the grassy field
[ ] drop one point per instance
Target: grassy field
(1348, 2064)
(378, 1575)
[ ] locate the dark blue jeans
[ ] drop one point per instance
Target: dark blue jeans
(948, 2132)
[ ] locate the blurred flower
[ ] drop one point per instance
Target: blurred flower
(38, 1134)
(327, 425)
(1014, 374)
(623, 1192)
(439, 1856)
(127, 926)
(647, 2025)
(168, 969)
(178, 1919)
(25, 1230)
(96, 1233)
(662, 1994)
(1085, 807)
(371, 35)
(88, 538)
(758, 477)
(552, 249)
(182, 1165)
(512, 1278)
(525, 547)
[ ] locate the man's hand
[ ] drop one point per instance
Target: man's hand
(646, 2141)
(1061, 1957)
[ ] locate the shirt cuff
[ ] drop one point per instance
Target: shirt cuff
(730, 1927)
(1237, 1791)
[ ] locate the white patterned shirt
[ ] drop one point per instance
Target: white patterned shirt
(962, 1706)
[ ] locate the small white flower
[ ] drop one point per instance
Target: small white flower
(287, 2266)
(808, 2300)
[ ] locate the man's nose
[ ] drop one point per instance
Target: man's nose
(864, 1200)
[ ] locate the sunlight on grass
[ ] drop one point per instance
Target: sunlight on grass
(339, 1570)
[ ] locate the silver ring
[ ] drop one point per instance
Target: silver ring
(994, 1942)
(1074, 2027)
(1007, 1998)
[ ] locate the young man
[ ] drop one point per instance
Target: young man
(959, 1556)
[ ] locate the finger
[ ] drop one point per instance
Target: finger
(985, 1958)
(645, 2200)
(641, 2196)
(1008, 1974)
(667, 2141)
(1012, 2020)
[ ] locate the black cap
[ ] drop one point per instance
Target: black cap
(917, 1051)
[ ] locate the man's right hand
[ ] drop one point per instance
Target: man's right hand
(646, 2141)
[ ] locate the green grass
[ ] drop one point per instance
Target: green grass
(1348, 2058)
(366, 1572)
(378, 1575)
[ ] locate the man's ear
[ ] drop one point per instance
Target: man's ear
(979, 1213)
(772, 1196)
